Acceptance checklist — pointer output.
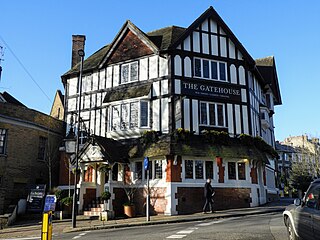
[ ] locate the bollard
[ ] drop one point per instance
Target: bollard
(46, 233)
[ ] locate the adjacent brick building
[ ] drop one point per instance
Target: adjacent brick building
(29, 144)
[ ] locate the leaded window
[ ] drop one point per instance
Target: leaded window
(209, 169)
(144, 114)
(199, 169)
(42, 148)
(189, 169)
(129, 72)
(158, 169)
(212, 114)
(3, 140)
(232, 170)
(210, 69)
(130, 115)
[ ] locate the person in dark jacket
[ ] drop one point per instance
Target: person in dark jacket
(208, 194)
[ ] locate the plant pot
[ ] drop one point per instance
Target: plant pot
(129, 210)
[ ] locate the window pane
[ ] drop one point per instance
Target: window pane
(115, 118)
(232, 170)
(241, 171)
(203, 113)
(124, 73)
(134, 115)
(199, 169)
(3, 134)
(205, 68)
(158, 169)
(220, 115)
(189, 169)
(134, 72)
(139, 170)
(42, 148)
(214, 70)
(197, 67)
(124, 116)
(144, 114)
(209, 169)
(212, 114)
(222, 71)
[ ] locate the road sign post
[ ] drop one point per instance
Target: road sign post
(146, 167)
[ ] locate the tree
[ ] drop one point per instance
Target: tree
(301, 175)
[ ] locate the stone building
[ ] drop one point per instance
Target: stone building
(295, 149)
(29, 143)
(192, 100)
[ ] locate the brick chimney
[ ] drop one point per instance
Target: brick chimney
(78, 42)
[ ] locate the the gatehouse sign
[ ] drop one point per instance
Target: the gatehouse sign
(217, 90)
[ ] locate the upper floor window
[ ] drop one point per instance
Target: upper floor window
(42, 148)
(129, 72)
(130, 115)
(212, 114)
(210, 69)
(3, 140)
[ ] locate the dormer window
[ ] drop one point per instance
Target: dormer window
(129, 72)
(209, 69)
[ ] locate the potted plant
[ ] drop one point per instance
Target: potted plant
(105, 196)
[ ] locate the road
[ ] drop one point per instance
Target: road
(267, 226)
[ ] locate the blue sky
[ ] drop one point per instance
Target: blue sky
(37, 34)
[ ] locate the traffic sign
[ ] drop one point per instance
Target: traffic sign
(146, 163)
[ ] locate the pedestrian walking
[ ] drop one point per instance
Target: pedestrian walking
(208, 194)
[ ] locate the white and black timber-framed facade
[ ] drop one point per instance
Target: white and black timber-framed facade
(186, 98)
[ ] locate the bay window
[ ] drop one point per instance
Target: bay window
(209, 69)
(130, 115)
(129, 72)
(212, 114)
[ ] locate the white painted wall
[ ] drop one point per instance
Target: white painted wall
(143, 69)
(165, 115)
(186, 115)
(195, 114)
(155, 115)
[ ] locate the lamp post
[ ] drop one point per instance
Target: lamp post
(75, 194)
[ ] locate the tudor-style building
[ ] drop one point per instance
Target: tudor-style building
(170, 95)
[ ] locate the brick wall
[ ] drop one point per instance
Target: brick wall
(20, 166)
(191, 200)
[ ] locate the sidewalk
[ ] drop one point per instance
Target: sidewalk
(33, 229)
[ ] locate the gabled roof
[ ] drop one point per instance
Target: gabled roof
(210, 12)
(267, 68)
(10, 99)
(161, 39)
(128, 26)
(112, 150)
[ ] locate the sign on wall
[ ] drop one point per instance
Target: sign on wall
(211, 89)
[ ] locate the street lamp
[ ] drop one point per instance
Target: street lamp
(75, 199)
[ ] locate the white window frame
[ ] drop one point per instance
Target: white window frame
(152, 170)
(194, 169)
(129, 72)
(120, 106)
(237, 171)
(216, 114)
(210, 73)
